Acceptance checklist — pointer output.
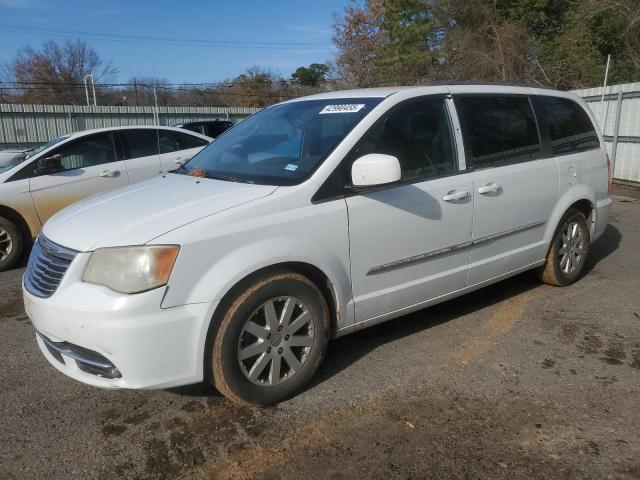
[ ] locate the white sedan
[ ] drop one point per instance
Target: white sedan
(36, 184)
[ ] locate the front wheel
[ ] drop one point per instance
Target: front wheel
(568, 252)
(11, 244)
(271, 340)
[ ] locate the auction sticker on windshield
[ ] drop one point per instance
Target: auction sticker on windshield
(344, 108)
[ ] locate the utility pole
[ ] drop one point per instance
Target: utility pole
(135, 87)
(155, 101)
(93, 89)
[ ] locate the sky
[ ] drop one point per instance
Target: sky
(184, 41)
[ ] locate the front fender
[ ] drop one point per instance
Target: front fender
(210, 264)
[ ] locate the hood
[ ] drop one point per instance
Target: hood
(139, 213)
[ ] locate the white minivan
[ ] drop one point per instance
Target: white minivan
(312, 219)
(37, 183)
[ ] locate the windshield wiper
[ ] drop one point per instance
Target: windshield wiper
(226, 178)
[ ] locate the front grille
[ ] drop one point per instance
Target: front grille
(47, 265)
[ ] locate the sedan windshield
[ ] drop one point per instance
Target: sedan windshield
(280, 145)
(44, 146)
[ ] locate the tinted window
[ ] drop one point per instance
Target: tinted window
(139, 143)
(215, 129)
(194, 127)
(567, 124)
(86, 152)
(167, 142)
(186, 141)
(498, 130)
(418, 134)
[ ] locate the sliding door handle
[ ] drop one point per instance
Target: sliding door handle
(489, 188)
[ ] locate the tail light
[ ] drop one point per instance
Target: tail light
(609, 173)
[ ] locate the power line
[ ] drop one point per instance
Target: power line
(158, 40)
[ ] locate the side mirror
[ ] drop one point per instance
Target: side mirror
(375, 169)
(49, 165)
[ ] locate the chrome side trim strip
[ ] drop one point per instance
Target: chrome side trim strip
(405, 262)
(506, 233)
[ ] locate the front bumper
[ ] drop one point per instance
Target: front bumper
(150, 347)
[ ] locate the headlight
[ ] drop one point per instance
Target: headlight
(131, 269)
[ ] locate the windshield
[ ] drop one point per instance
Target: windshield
(44, 146)
(280, 145)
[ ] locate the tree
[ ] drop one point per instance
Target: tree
(313, 75)
(56, 72)
(360, 38)
(563, 43)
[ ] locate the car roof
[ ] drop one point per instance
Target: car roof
(456, 87)
(82, 133)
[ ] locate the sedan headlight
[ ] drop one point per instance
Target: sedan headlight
(131, 269)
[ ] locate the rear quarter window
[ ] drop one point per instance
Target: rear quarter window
(566, 125)
(186, 141)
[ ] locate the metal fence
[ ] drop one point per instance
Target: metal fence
(29, 125)
(619, 119)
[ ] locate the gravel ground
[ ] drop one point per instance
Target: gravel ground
(519, 380)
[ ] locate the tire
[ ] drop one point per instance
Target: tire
(256, 359)
(567, 256)
(11, 244)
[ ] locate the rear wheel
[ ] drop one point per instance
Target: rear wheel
(271, 340)
(11, 244)
(568, 252)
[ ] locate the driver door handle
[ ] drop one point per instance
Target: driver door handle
(110, 173)
(454, 195)
(489, 188)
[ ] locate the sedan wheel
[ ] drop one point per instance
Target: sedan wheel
(11, 244)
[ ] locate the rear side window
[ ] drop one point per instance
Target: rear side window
(567, 125)
(418, 134)
(186, 141)
(498, 130)
(167, 142)
(139, 142)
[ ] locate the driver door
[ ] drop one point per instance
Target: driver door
(409, 242)
(74, 171)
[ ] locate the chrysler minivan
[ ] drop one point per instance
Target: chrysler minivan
(312, 219)
(38, 183)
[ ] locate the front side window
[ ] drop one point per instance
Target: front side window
(139, 143)
(418, 134)
(498, 130)
(283, 144)
(86, 152)
(568, 126)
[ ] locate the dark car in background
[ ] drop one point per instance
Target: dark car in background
(210, 128)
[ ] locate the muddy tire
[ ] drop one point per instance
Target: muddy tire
(271, 340)
(11, 244)
(568, 251)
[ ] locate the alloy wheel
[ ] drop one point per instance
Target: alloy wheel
(572, 248)
(275, 341)
(6, 244)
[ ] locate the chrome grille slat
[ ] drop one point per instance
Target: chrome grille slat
(47, 266)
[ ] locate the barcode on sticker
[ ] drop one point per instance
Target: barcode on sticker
(344, 108)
